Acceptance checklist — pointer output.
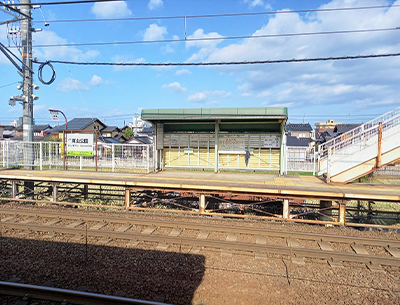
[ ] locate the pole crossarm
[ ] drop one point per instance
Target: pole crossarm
(11, 8)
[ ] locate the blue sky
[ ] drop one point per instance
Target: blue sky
(348, 91)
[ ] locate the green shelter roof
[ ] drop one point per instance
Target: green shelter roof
(211, 114)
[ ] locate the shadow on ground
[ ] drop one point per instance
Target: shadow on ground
(162, 276)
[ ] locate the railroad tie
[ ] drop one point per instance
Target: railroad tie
(230, 238)
(52, 222)
(133, 243)
(124, 228)
(325, 246)
(7, 219)
(375, 267)
(294, 243)
(175, 232)
(104, 241)
(195, 250)
(98, 226)
(393, 251)
(75, 224)
(335, 264)
(359, 249)
(162, 246)
(149, 230)
(203, 235)
(29, 220)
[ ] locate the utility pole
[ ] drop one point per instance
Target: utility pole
(26, 36)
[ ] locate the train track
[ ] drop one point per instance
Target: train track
(116, 228)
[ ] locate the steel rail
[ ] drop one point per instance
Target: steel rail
(67, 296)
(225, 245)
(212, 227)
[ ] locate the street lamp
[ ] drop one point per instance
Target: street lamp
(54, 116)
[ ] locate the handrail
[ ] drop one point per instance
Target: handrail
(359, 131)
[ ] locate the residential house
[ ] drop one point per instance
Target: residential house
(325, 126)
(300, 131)
(79, 125)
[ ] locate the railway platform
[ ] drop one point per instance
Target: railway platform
(203, 184)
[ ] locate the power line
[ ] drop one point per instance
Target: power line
(221, 63)
(214, 38)
(63, 2)
(9, 85)
(211, 15)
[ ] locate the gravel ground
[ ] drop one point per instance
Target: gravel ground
(180, 275)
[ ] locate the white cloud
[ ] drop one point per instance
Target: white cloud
(168, 49)
(155, 4)
(201, 96)
(96, 81)
(69, 84)
(154, 32)
(322, 83)
(207, 43)
(197, 97)
(174, 87)
(59, 52)
(183, 72)
(111, 9)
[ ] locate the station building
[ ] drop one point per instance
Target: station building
(219, 138)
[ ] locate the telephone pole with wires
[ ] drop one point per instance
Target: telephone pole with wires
(25, 71)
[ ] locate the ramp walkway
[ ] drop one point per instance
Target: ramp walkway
(361, 150)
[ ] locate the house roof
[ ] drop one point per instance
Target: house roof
(342, 128)
(108, 140)
(81, 123)
(110, 129)
(294, 141)
(299, 127)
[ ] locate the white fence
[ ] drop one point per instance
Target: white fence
(300, 159)
(48, 155)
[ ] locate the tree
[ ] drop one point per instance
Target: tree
(128, 133)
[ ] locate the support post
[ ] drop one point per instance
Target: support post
(379, 157)
(342, 214)
(14, 189)
(202, 203)
(128, 197)
(217, 129)
(286, 209)
(85, 191)
(55, 191)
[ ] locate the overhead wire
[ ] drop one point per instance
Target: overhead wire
(222, 63)
(214, 38)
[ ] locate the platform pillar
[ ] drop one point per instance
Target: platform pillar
(128, 197)
(55, 191)
(202, 203)
(86, 191)
(14, 189)
(286, 209)
(324, 204)
(342, 214)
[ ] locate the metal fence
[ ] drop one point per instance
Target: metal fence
(50, 155)
(300, 159)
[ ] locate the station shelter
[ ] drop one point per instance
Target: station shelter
(219, 138)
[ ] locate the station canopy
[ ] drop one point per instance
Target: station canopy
(258, 119)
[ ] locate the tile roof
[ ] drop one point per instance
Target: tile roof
(298, 127)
